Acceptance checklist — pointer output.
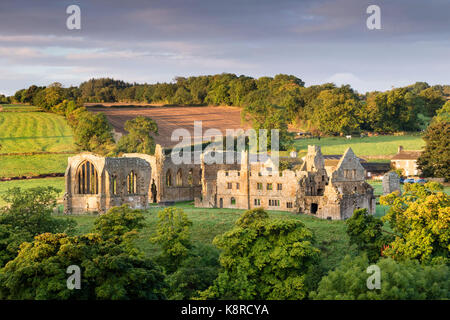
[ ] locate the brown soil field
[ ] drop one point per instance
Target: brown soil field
(170, 118)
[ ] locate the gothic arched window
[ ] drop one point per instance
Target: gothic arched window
(169, 178)
(87, 178)
(132, 183)
(179, 178)
(190, 177)
(114, 185)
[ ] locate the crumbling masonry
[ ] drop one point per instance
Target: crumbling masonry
(96, 183)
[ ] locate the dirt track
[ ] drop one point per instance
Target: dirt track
(170, 118)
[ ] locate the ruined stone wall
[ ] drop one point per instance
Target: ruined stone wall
(391, 182)
(171, 182)
(108, 171)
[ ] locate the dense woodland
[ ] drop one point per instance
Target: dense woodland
(322, 109)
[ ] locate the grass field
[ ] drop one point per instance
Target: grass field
(208, 223)
(367, 146)
(34, 131)
(19, 108)
(32, 165)
(31, 183)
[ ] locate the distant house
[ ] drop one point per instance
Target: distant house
(376, 170)
(407, 161)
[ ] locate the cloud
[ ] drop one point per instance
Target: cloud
(317, 40)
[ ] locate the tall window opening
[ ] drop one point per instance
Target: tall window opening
(87, 178)
(179, 178)
(132, 183)
(169, 178)
(114, 185)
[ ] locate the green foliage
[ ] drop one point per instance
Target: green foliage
(139, 138)
(195, 273)
(173, 235)
(391, 111)
(433, 100)
(28, 213)
(119, 223)
(443, 114)
(108, 271)
(365, 231)
(269, 117)
(435, 160)
(399, 281)
(336, 110)
(265, 258)
(421, 219)
(94, 133)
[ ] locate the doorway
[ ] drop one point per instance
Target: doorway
(314, 208)
(154, 191)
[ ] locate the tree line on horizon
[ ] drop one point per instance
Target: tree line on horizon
(321, 109)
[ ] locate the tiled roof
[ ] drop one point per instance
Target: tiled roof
(407, 155)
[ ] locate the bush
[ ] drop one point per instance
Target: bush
(399, 281)
(265, 258)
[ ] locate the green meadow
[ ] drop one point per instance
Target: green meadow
(32, 165)
(19, 108)
(367, 146)
(57, 183)
(28, 131)
(208, 223)
(34, 132)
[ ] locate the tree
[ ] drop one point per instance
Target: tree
(435, 160)
(392, 111)
(173, 235)
(139, 138)
(399, 281)
(265, 258)
(268, 117)
(28, 213)
(433, 100)
(108, 271)
(194, 274)
(119, 223)
(335, 111)
(420, 218)
(366, 232)
(443, 114)
(93, 133)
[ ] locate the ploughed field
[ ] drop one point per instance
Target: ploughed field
(170, 118)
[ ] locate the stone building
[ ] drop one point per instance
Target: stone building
(95, 184)
(391, 182)
(171, 182)
(406, 160)
(309, 190)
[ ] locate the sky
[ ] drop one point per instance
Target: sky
(155, 41)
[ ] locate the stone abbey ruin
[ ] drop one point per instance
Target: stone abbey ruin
(95, 184)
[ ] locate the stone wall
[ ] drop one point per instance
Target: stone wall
(107, 183)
